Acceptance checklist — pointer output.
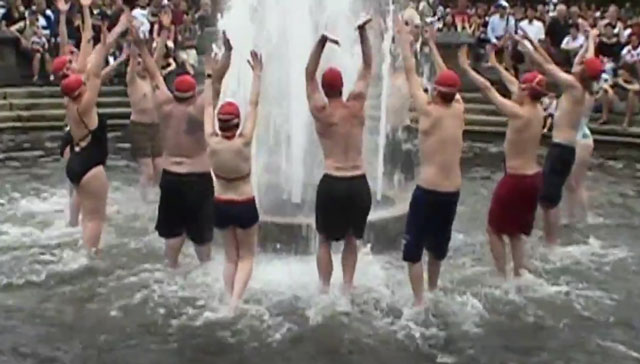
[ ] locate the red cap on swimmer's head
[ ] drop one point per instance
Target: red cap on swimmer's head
(535, 84)
(332, 82)
(71, 85)
(228, 117)
(593, 68)
(59, 64)
(184, 87)
(447, 81)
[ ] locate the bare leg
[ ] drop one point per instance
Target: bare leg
(496, 244)
(517, 254)
(92, 193)
(203, 252)
(631, 106)
(584, 150)
(551, 219)
(349, 261)
(147, 178)
(247, 242)
(47, 63)
(157, 170)
(36, 66)
(230, 259)
(74, 207)
(606, 101)
(172, 249)
(416, 278)
(324, 263)
(433, 268)
(571, 195)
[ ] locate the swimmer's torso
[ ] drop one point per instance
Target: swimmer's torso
(231, 164)
(140, 93)
(523, 141)
(567, 119)
(339, 127)
(440, 140)
(183, 137)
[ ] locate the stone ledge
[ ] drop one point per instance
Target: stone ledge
(55, 115)
(33, 92)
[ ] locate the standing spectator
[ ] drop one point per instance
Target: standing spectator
(573, 43)
(187, 40)
(13, 15)
(501, 25)
(558, 27)
(531, 26)
(609, 44)
(178, 11)
(204, 17)
(141, 15)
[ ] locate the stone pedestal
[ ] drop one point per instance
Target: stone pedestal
(9, 64)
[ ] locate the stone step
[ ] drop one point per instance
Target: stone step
(57, 103)
(11, 93)
(113, 124)
(56, 115)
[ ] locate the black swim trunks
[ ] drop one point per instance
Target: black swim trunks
(145, 140)
(342, 206)
(557, 168)
(429, 223)
(186, 206)
(84, 159)
(241, 214)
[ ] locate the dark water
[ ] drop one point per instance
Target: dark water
(579, 305)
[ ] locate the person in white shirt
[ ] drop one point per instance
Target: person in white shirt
(141, 15)
(573, 42)
(532, 26)
(631, 53)
(500, 25)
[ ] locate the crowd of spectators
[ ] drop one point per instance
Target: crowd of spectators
(561, 28)
(35, 25)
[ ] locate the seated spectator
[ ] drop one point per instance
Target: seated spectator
(449, 24)
(501, 25)
(178, 11)
(612, 18)
(542, 14)
(39, 47)
(45, 17)
(632, 28)
(574, 42)
(14, 14)
(621, 95)
(204, 18)
(141, 15)
(187, 40)
(609, 44)
(631, 53)
(574, 14)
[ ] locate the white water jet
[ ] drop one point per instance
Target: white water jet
(288, 160)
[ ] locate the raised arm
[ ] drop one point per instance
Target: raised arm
(359, 93)
(86, 46)
(509, 80)
(415, 84)
(250, 122)
(93, 75)
(221, 66)
(314, 96)
(565, 80)
(108, 72)
(63, 8)
(507, 107)
(161, 47)
(132, 69)
(150, 65)
(210, 101)
(435, 54)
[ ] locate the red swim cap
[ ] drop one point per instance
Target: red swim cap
(71, 85)
(448, 81)
(535, 84)
(59, 64)
(228, 116)
(593, 68)
(184, 87)
(332, 82)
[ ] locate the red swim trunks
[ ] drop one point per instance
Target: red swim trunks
(514, 203)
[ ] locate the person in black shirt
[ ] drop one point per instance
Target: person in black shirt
(609, 45)
(558, 27)
(14, 14)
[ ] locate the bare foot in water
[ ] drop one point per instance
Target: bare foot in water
(324, 289)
